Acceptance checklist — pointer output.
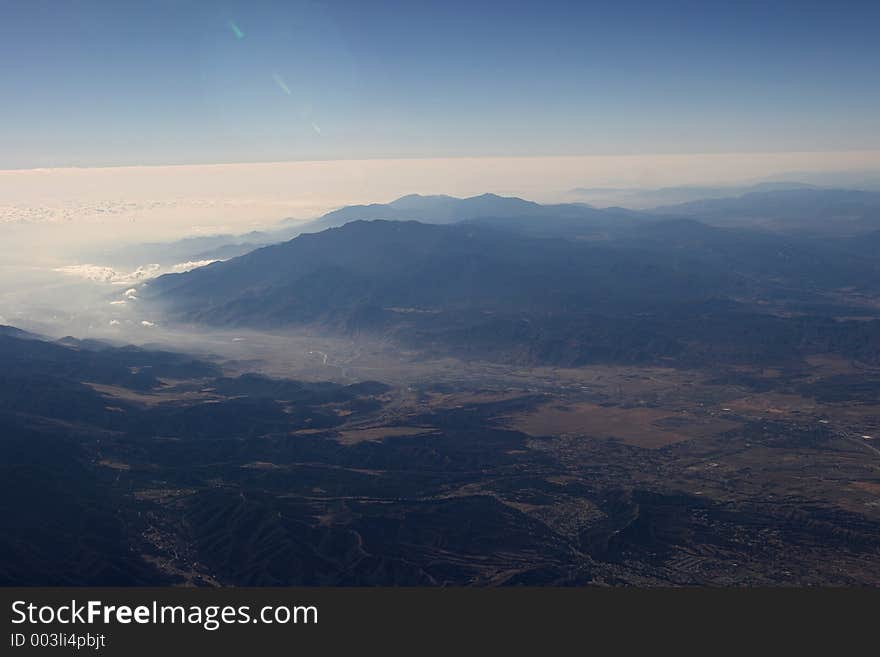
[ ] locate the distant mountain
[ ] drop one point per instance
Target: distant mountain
(12, 332)
(659, 291)
(782, 206)
(409, 264)
(779, 206)
(427, 209)
(437, 209)
(500, 211)
(820, 211)
(193, 249)
(637, 198)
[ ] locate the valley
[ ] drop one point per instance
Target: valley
(505, 393)
(447, 473)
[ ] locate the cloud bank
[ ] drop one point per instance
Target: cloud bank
(104, 274)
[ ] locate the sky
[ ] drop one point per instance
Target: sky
(88, 83)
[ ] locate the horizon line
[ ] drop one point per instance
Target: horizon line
(569, 156)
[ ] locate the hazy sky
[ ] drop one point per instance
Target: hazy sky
(100, 83)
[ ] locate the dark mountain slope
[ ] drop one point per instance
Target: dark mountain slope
(95, 362)
(431, 268)
(666, 290)
(71, 455)
(825, 211)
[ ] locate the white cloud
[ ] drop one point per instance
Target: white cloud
(147, 323)
(189, 265)
(121, 302)
(103, 274)
(142, 273)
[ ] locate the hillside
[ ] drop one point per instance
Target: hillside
(667, 290)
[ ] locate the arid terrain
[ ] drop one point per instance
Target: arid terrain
(448, 473)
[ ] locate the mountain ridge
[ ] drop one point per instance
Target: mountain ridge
(483, 290)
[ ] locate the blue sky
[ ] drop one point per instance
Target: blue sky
(91, 83)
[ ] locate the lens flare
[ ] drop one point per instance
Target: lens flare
(236, 30)
(281, 84)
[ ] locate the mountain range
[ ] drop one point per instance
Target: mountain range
(639, 399)
(639, 198)
(559, 284)
(789, 208)
(831, 212)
